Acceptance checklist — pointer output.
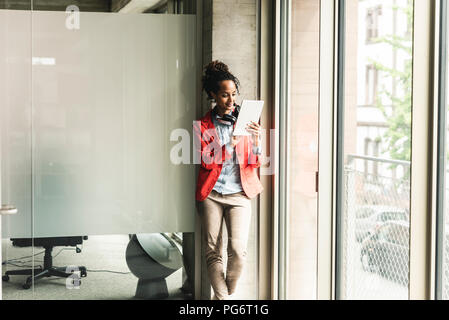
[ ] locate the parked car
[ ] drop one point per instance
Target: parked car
(386, 251)
(371, 217)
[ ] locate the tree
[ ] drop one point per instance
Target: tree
(397, 138)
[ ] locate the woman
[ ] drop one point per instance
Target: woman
(227, 179)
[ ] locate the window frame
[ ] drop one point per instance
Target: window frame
(441, 148)
(332, 45)
(282, 179)
(422, 167)
(422, 159)
(326, 151)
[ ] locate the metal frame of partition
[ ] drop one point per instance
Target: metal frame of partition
(33, 169)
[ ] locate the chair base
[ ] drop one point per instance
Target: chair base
(41, 273)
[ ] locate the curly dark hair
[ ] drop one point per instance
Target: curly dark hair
(214, 73)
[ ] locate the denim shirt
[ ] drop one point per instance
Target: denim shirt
(229, 180)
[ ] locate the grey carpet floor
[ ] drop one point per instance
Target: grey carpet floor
(99, 254)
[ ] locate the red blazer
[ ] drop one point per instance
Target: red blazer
(207, 147)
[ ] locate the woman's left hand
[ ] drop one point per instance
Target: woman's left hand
(254, 129)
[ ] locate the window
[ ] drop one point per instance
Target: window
(302, 148)
(372, 23)
(371, 85)
(374, 159)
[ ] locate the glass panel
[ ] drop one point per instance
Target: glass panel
(303, 149)
(112, 95)
(15, 147)
(375, 200)
(107, 98)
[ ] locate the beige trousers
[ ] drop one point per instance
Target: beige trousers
(235, 210)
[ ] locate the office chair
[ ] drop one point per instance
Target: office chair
(48, 270)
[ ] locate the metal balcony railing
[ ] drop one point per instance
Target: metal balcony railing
(375, 228)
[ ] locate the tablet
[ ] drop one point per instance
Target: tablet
(250, 110)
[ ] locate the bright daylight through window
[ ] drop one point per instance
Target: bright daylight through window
(373, 237)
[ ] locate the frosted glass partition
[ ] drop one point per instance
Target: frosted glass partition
(15, 118)
(105, 100)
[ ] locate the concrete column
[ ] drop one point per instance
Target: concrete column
(230, 35)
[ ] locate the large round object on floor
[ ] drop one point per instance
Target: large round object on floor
(152, 258)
